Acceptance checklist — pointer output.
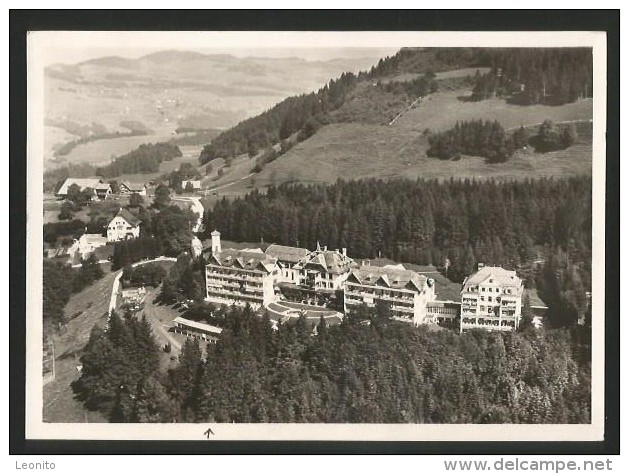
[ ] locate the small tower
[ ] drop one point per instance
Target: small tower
(216, 242)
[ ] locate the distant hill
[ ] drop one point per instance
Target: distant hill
(167, 90)
(382, 93)
(374, 123)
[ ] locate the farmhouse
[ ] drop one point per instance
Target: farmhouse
(100, 188)
(405, 291)
(491, 299)
(123, 226)
(132, 188)
(196, 330)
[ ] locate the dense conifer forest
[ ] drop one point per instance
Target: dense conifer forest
(145, 159)
(529, 76)
(387, 372)
(476, 138)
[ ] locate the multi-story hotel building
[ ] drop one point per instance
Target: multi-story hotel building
(240, 276)
(407, 292)
(491, 299)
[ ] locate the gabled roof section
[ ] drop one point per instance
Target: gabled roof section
(80, 182)
(132, 219)
(494, 276)
(134, 187)
(389, 276)
(331, 261)
(102, 186)
(286, 254)
(244, 259)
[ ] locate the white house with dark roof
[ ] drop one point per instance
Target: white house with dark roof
(405, 291)
(123, 226)
(132, 188)
(491, 299)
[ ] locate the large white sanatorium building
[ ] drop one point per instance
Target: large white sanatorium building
(491, 299)
(405, 291)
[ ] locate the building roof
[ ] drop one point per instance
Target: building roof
(246, 259)
(93, 238)
(493, 275)
(102, 186)
(286, 254)
(81, 182)
(389, 276)
(331, 261)
(134, 187)
(129, 217)
(197, 325)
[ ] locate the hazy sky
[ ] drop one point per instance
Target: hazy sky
(72, 55)
(72, 47)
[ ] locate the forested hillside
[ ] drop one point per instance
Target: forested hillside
(524, 76)
(509, 224)
(388, 372)
(145, 159)
(537, 76)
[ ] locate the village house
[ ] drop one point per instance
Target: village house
(132, 188)
(240, 276)
(100, 188)
(123, 226)
(196, 330)
(133, 295)
(196, 184)
(405, 291)
(86, 244)
(491, 299)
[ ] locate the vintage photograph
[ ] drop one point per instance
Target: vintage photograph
(300, 231)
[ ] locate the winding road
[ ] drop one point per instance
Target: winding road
(196, 207)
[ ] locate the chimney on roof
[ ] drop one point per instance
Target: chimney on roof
(480, 265)
(344, 250)
(325, 248)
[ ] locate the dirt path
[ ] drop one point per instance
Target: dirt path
(196, 207)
